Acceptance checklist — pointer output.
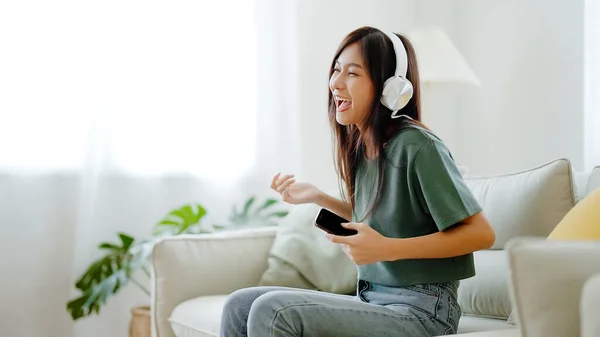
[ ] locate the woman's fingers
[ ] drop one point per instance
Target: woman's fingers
(274, 181)
(285, 185)
(277, 182)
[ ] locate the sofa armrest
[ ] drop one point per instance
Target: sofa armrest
(189, 266)
(590, 307)
(546, 281)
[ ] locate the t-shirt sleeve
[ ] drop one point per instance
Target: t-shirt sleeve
(442, 190)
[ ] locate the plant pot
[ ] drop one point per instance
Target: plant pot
(139, 326)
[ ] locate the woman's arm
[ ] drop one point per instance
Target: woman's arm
(473, 234)
(335, 205)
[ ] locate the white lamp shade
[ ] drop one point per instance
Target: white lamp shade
(439, 60)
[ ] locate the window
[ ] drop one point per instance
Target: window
(140, 86)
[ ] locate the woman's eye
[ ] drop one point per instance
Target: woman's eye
(351, 73)
(335, 70)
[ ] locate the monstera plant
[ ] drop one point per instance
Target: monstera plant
(126, 259)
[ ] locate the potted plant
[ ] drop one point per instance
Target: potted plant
(116, 267)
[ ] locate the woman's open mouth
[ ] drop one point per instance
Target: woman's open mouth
(343, 104)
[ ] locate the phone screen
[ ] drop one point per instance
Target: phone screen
(332, 223)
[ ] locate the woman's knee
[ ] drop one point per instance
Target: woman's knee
(274, 310)
(242, 299)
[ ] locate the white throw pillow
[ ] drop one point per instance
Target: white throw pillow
(527, 203)
(302, 257)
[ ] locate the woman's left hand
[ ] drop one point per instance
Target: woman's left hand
(365, 247)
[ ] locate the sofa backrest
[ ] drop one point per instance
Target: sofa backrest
(487, 294)
(526, 203)
(593, 182)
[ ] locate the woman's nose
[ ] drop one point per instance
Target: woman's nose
(336, 82)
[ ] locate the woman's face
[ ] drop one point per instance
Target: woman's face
(351, 87)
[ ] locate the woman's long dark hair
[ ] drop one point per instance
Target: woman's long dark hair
(350, 144)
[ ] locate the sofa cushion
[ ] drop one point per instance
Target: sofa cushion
(580, 184)
(302, 257)
(527, 203)
(486, 294)
(594, 180)
(198, 317)
(201, 317)
(469, 324)
(492, 333)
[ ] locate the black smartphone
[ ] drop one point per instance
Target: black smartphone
(332, 223)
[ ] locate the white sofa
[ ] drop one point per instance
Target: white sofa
(192, 275)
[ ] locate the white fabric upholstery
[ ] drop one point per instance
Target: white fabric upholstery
(594, 180)
(190, 266)
(486, 294)
(528, 203)
(590, 307)
(493, 333)
(302, 257)
(546, 282)
(478, 324)
(198, 317)
(580, 182)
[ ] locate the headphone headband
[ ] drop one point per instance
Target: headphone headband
(401, 57)
(397, 90)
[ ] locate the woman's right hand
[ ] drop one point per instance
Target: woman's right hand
(294, 192)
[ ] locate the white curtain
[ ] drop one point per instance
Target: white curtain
(592, 83)
(112, 113)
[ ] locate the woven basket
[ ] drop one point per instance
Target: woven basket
(140, 322)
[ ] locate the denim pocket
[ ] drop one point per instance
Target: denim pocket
(454, 314)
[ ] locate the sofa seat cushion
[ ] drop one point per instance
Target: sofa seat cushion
(492, 333)
(198, 317)
(479, 324)
(201, 317)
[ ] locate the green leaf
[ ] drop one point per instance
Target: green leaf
(247, 205)
(258, 215)
(75, 307)
(94, 297)
(169, 222)
(234, 212)
(126, 240)
(268, 203)
(179, 220)
(279, 214)
(110, 246)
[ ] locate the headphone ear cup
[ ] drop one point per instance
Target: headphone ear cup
(397, 92)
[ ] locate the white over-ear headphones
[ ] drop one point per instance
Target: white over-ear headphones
(397, 90)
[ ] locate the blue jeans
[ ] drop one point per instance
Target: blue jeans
(376, 310)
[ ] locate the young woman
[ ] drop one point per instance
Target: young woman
(417, 222)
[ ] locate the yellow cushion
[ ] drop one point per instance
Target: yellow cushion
(582, 222)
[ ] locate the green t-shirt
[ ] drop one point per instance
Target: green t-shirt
(422, 193)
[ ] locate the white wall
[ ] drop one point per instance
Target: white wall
(527, 54)
(529, 57)
(592, 83)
